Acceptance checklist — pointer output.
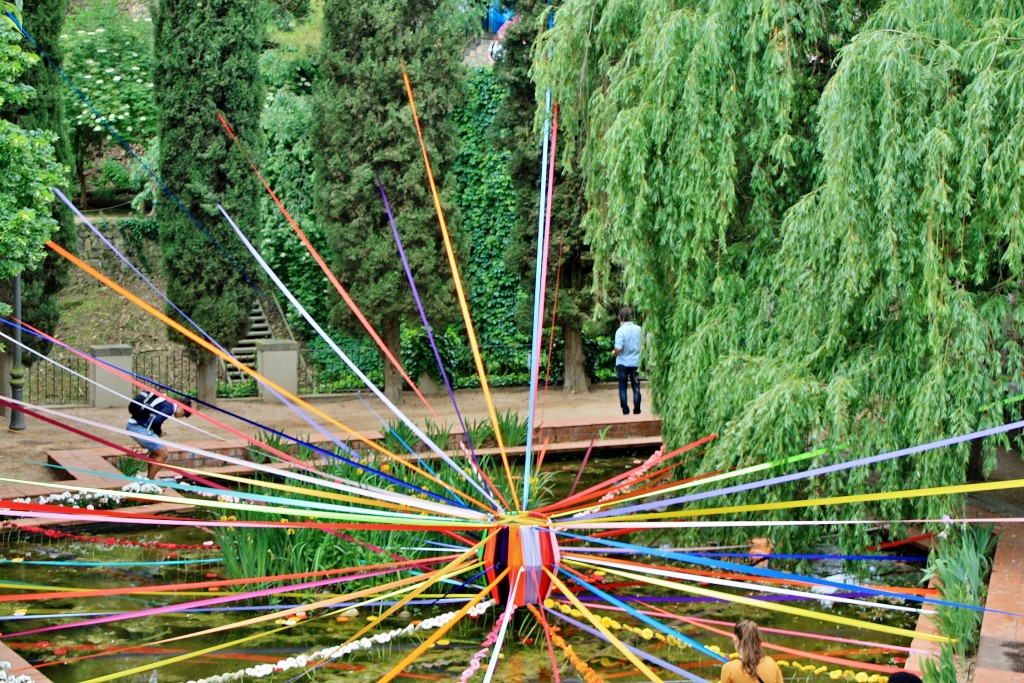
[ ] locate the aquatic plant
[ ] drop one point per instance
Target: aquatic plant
(961, 561)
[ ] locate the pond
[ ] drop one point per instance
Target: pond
(107, 558)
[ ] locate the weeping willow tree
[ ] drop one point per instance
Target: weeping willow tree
(818, 205)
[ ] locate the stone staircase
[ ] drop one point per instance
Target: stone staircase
(245, 350)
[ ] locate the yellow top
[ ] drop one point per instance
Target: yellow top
(767, 669)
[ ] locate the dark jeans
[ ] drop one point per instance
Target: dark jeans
(631, 376)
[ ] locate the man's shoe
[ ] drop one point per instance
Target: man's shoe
(636, 411)
(625, 411)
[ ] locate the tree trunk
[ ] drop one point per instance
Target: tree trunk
(576, 381)
(6, 363)
(83, 194)
(392, 335)
(207, 379)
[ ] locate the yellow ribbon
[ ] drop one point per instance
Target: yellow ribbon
(751, 602)
(643, 668)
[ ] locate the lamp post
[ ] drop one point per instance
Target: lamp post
(17, 371)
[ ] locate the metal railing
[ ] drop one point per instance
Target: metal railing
(49, 384)
(169, 368)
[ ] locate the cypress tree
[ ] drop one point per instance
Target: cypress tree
(206, 60)
(570, 263)
(363, 125)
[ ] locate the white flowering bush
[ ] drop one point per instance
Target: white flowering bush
(94, 501)
(7, 677)
(108, 57)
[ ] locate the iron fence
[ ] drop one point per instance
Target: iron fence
(47, 383)
(172, 368)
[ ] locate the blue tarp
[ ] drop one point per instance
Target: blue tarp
(496, 16)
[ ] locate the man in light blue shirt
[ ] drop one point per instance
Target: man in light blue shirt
(627, 358)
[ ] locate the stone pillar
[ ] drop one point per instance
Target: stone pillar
(278, 361)
(427, 386)
(118, 355)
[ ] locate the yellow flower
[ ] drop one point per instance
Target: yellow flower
(385, 468)
(861, 677)
(782, 662)
(873, 678)
(835, 674)
(549, 603)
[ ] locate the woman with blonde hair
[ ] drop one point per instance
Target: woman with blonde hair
(753, 665)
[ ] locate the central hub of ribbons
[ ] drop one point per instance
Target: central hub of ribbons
(525, 548)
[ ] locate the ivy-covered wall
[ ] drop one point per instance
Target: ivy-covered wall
(487, 203)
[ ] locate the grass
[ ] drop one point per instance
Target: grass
(306, 36)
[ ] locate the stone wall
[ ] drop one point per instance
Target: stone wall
(93, 251)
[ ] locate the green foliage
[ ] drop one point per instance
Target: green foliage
(400, 438)
(297, 23)
(513, 428)
(249, 553)
(961, 560)
(332, 374)
(141, 181)
(286, 121)
(28, 168)
(480, 433)
(130, 466)
(44, 112)
(108, 56)
(137, 233)
(241, 389)
(113, 174)
(819, 220)
(207, 62)
(487, 204)
(261, 455)
(438, 432)
(418, 356)
(569, 259)
(363, 127)
(597, 351)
